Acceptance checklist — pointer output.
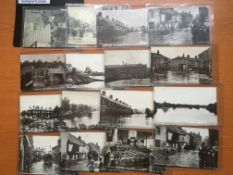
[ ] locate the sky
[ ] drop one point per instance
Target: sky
(130, 17)
(172, 52)
(203, 132)
(136, 99)
(46, 142)
(185, 95)
(85, 14)
(39, 100)
(81, 61)
(42, 57)
(116, 57)
(88, 98)
(93, 137)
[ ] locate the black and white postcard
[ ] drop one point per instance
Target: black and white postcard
(40, 113)
(86, 151)
(42, 72)
(180, 25)
(44, 27)
(127, 109)
(181, 65)
(80, 110)
(189, 106)
(81, 26)
(121, 27)
(131, 149)
(39, 154)
(85, 71)
(127, 68)
(185, 147)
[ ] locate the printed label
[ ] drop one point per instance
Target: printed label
(34, 1)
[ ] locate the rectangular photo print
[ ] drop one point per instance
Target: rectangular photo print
(180, 25)
(131, 149)
(86, 152)
(127, 109)
(121, 27)
(81, 26)
(80, 110)
(42, 72)
(85, 71)
(181, 65)
(44, 27)
(39, 154)
(189, 106)
(40, 113)
(186, 147)
(124, 68)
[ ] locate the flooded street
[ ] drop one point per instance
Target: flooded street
(93, 85)
(180, 37)
(180, 159)
(131, 38)
(43, 168)
(185, 116)
(129, 121)
(181, 78)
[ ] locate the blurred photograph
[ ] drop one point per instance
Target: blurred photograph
(40, 113)
(192, 106)
(121, 27)
(181, 65)
(39, 154)
(125, 68)
(184, 25)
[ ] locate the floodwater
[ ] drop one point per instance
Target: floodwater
(131, 82)
(92, 85)
(40, 167)
(85, 120)
(185, 116)
(179, 37)
(128, 121)
(181, 78)
(131, 38)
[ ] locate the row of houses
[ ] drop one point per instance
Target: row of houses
(201, 62)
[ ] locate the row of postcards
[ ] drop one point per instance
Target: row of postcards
(117, 68)
(116, 26)
(142, 109)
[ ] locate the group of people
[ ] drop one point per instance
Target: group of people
(208, 156)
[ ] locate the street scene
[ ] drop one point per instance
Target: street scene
(188, 106)
(40, 113)
(186, 25)
(84, 71)
(181, 65)
(185, 147)
(80, 110)
(121, 27)
(42, 72)
(126, 109)
(81, 26)
(39, 154)
(44, 27)
(127, 68)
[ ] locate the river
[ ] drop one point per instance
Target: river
(185, 116)
(128, 121)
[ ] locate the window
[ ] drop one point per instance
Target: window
(157, 143)
(157, 130)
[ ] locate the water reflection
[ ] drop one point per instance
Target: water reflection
(41, 167)
(185, 116)
(93, 85)
(181, 77)
(131, 82)
(128, 121)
